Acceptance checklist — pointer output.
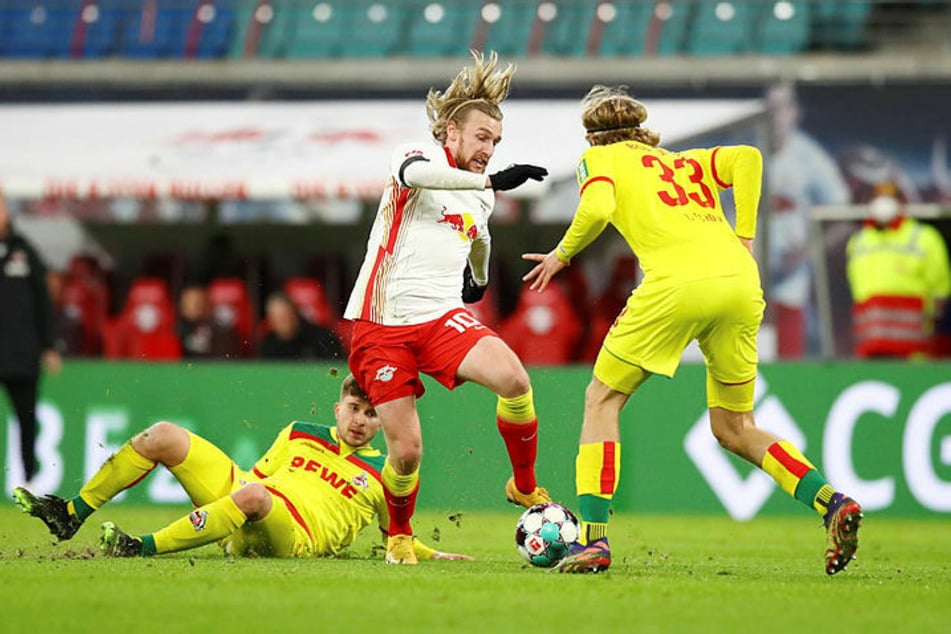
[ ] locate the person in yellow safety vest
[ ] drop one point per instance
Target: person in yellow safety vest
(900, 280)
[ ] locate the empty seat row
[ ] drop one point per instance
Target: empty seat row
(310, 29)
(126, 28)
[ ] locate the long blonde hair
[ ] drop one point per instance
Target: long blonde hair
(482, 86)
(611, 115)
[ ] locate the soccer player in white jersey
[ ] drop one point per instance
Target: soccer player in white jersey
(407, 303)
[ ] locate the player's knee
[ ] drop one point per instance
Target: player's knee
(517, 381)
(599, 396)
(729, 428)
(163, 442)
(253, 499)
(407, 457)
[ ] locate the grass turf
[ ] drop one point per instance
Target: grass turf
(670, 574)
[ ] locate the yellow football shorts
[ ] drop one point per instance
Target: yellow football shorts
(207, 474)
(723, 314)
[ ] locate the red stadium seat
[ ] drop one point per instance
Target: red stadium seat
(608, 306)
(231, 311)
(544, 329)
(82, 306)
(84, 310)
(145, 329)
(311, 300)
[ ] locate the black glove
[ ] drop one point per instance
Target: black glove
(471, 292)
(514, 175)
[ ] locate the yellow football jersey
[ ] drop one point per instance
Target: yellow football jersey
(331, 489)
(666, 205)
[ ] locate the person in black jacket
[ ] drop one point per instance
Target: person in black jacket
(291, 337)
(26, 332)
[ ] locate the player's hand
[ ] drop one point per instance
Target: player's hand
(471, 292)
(52, 361)
(514, 175)
(452, 556)
(548, 265)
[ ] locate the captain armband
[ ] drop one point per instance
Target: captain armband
(407, 163)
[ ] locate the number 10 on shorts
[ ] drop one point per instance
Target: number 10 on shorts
(462, 320)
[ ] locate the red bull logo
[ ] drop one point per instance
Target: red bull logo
(463, 223)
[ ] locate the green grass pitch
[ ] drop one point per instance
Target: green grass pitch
(670, 574)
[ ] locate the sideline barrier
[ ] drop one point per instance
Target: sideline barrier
(879, 430)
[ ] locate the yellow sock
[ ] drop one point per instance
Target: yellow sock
(204, 525)
(797, 476)
(397, 484)
(518, 409)
(121, 470)
(597, 469)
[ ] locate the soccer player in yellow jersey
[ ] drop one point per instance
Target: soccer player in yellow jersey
(308, 496)
(700, 282)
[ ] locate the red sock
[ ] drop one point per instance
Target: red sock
(401, 511)
(521, 441)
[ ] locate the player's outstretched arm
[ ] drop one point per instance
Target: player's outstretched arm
(548, 265)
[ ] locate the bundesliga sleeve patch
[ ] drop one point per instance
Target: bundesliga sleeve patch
(582, 171)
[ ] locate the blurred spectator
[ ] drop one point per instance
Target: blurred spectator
(800, 174)
(194, 325)
(26, 333)
(900, 281)
(290, 336)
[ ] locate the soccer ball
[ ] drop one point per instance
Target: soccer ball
(544, 534)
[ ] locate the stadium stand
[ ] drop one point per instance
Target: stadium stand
(720, 28)
(442, 30)
(355, 29)
(783, 29)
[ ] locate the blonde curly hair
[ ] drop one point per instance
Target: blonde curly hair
(482, 86)
(611, 115)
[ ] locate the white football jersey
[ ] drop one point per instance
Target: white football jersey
(426, 227)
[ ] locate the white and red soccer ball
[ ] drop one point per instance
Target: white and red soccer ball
(544, 534)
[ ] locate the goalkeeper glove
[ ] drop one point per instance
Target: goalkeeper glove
(471, 292)
(514, 175)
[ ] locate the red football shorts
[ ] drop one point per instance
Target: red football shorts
(387, 360)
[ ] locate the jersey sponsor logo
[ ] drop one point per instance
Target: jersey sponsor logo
(18, 265)
(385, 374)
(463, 223)
(582, 171)
(361, 481)
(326, 474)
(198, 519)
(413, 153)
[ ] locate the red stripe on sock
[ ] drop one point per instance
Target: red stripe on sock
(608, 474)
(792, 465)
